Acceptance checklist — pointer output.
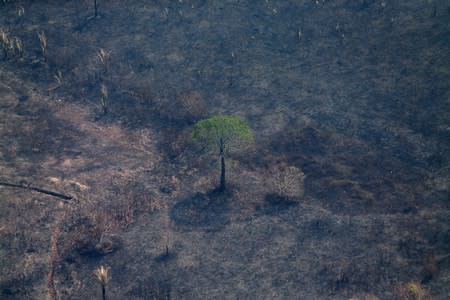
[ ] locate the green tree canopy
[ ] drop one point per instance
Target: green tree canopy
(231, 131)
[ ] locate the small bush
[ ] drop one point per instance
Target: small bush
(10, 46)
(412, 290)
(192, 106)
(88, 235)
(287, 181)
(186, 107)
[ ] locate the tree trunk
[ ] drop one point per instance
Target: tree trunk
(27, 187)
(103, 292)
(222, 174)
(222, 167)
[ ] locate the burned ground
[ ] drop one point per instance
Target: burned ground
(353, 93)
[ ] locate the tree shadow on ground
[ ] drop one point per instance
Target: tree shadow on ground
(274, 204)
(208, 211)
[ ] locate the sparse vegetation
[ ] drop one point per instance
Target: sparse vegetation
(10, 46)
(6, 43)
(103, 57)
(20, 11)
(43, 43)
(343, 196)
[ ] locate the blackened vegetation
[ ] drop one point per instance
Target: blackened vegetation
(16, 288)
(40, 190)
(351, 95)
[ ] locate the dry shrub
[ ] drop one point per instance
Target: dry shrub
(186, 107)
(89, 236)
(142, 90)
(192, 106)
(88, 230)
(178, 141)
(412, 290)
(133, 198)
(287, 181)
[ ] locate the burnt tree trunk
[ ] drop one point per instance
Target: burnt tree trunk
(43, 191)
(222, 167)
(103, 292)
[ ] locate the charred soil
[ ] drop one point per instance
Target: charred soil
(347, 100)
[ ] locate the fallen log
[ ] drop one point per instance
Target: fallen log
(43, 191)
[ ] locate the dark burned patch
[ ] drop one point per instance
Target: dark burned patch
(295, 142)
(202, 210)
(274, 204)
(16, 288)
(321, 228)
(165, 257)
(23, 98)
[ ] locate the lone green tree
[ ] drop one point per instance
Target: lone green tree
(222, 135)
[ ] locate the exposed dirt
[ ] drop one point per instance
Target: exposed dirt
(355, 94)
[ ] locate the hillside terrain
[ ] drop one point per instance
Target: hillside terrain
(344, 193)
